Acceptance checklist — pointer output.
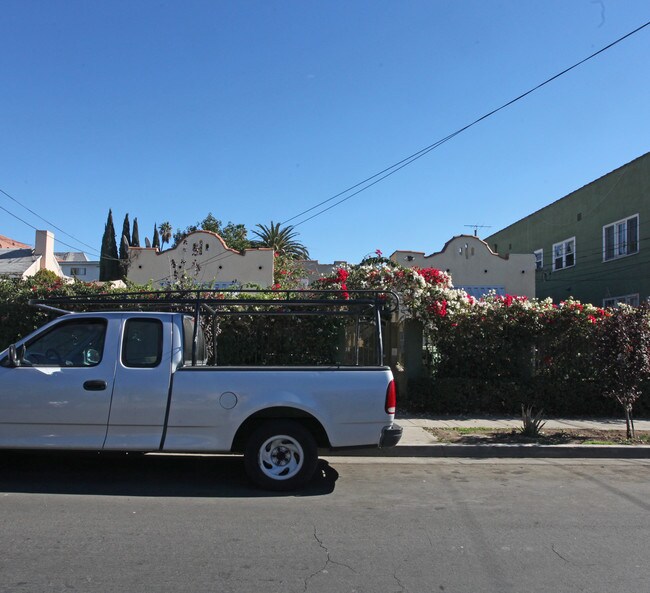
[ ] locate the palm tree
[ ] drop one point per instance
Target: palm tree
(281, 240)
(166, 233)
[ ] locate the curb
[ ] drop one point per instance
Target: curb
(503, 451)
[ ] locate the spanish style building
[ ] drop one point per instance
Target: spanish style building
(204, 258)
(476, 268)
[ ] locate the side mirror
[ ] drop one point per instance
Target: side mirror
(14, 360)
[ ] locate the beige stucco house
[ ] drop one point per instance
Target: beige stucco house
(203, 257)
(475, 268)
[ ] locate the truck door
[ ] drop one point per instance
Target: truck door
(60, 395)
(142, 384)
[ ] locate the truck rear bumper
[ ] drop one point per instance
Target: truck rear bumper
(390, 435)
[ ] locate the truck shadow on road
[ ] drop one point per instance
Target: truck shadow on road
(212, 476)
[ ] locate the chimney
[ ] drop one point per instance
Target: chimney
(45, 248)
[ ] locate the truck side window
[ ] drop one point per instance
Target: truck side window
(78, 343)
(142, 345)
(188, 343)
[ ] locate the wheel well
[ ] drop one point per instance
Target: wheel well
(284, 413)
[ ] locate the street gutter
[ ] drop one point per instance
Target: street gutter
(499, 450)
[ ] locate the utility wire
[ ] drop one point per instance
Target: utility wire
(75, 247)
(391, 170)
(594, 246)
(33, 227)
(47, 222)
(403, 162)
(377, 177)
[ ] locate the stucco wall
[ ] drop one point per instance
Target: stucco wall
(205, 257)
(581, 216)
(472, 263)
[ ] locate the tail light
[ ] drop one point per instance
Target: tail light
(391, 398)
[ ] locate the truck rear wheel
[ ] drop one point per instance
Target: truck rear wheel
(281, 455)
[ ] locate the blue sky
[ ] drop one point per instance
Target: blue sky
(258, 110)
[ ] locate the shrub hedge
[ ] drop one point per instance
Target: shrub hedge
(485, 356)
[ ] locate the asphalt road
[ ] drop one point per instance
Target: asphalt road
(168, 524)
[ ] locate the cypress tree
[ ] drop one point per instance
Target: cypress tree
(124, 246)
(135, 237)
(109, 268)
(155, 242)
(126, 232)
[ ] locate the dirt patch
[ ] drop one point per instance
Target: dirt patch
(482, 436)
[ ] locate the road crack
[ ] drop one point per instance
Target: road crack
(399, 583)
(571, 562)
(559, 555)
(328, 561)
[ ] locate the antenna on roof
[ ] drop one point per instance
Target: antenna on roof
(476, 227)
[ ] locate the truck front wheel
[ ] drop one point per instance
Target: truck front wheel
(281, 455)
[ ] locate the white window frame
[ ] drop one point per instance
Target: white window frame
(560, 251)
(539, 259)
(623, 245)
(77, 271)
(628, 299)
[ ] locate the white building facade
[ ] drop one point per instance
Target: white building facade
(204, 258)
(475, 268)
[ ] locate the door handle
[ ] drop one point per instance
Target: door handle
(95, 385)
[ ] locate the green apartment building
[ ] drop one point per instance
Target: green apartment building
(592, 245)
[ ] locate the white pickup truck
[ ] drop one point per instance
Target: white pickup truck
(138, 381)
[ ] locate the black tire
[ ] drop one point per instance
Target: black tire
(281, 455)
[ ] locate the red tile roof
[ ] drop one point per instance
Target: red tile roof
(7, 243)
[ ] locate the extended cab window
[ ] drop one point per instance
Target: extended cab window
(78, 343)
(188, 343)
(142, 346)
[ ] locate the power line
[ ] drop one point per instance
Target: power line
(386, 172)
(585, 269)
(590, 267)
(33, 227)
(75, 247)
(391, 170)
(214, 258)
(594, 248)
(47, 222)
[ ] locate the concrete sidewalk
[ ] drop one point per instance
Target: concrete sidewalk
(415, 433)
(418, 442)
